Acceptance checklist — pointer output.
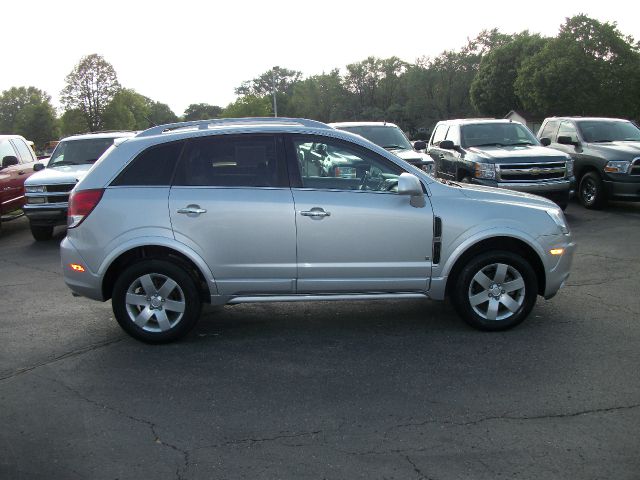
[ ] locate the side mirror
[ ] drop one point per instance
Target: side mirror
(447, 145)
(566, 140)
(420, 145)
(545, 141)
(9, 161)
(38, 166)
(409, 184)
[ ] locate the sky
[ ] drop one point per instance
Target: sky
(199, 51)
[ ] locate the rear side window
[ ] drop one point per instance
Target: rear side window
(568, 130)
(6, 150)
(153, 167)
(454, 135)
(232, 161)
(549, 130)
(25, 151)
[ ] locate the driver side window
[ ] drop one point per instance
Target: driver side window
(331, 164)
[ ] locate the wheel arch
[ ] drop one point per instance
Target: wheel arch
(499, 242)
(194, 266)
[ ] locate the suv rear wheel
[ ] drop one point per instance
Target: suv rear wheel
(156, 301)
(495, 291)
(591, 191)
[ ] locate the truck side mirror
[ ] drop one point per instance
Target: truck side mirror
(545, 141)
(38, 166)
(419, 145)
(447, 144)
(9, 161)
(566, 140)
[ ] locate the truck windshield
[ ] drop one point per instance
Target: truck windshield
(384, 135)
(76, 152)
(498, 134)
(609, 131)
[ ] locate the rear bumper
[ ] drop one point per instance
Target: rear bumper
(86, 283)
(46, 215)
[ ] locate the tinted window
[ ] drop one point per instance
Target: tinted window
(24, 150)
(496, 133)
(568, 130)
(385, 136)
(335, 165)
(608, 131)
(76, 152)
(6, 150)
(154, 166)
(550, 130)
(231, 161)
(439, 134)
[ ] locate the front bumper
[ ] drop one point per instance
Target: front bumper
(51, 214)
(557, 190)
(628, 191)
(557, 268)
(86, 283)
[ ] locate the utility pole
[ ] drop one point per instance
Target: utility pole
(273, 84)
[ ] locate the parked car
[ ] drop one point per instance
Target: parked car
(47, 191)
(389, 136)
(606, 155)
(16, 165)
(500, 153)
(222, 212)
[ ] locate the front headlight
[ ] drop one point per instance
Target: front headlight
(558, 217)
(34, 188)
(569, 168)
(485, 170)
(617, 166)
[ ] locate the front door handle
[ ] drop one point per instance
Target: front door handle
(315, 213)
(192, 210)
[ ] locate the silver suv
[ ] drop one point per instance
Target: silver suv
(231, 211)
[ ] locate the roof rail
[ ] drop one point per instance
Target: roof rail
(204, 124)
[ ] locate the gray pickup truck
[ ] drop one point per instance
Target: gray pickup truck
(500, 153)
(606, 154)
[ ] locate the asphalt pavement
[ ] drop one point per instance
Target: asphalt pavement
(347, 390)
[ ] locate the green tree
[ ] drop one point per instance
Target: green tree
(320, 97)
(282, 78)
(72, 122)
(161, 113)
(249, 106)
(492, 90)
(202, 111)
(130, 110)
(91, 86)
(590, 68)
(13, 100)
(38, 122)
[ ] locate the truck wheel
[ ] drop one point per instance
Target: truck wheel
(41, 233)
(591, 191)
(495, 291)
(156, 301)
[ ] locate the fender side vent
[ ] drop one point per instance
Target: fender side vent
(437, 239)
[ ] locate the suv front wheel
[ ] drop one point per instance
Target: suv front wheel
(156, 301)
(591, 191)
(495, 291)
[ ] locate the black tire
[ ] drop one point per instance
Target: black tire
(155, 328)
(591, 191)
(520, 301)
(41, 233)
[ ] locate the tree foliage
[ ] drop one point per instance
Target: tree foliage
(27, 111)
(90, 87)
(202, 111)
(130, 110)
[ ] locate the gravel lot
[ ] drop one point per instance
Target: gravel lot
(370, 390)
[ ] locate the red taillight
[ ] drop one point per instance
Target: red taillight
(81, 204)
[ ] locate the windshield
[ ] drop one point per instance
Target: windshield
(384, 135)
(77, 152)
(498, 134)
(609, 131)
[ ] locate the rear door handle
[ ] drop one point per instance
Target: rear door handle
(192, 210)
(315, 213)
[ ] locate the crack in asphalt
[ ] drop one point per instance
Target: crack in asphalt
(421, 476)
(152, 426)
(612, 305)
(587, 283)
(64, 356)
(260, 440)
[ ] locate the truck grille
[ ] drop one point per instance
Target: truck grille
(531, 172)
(635, 167)
(52, 194)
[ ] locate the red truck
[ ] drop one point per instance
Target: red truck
(16, 165)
